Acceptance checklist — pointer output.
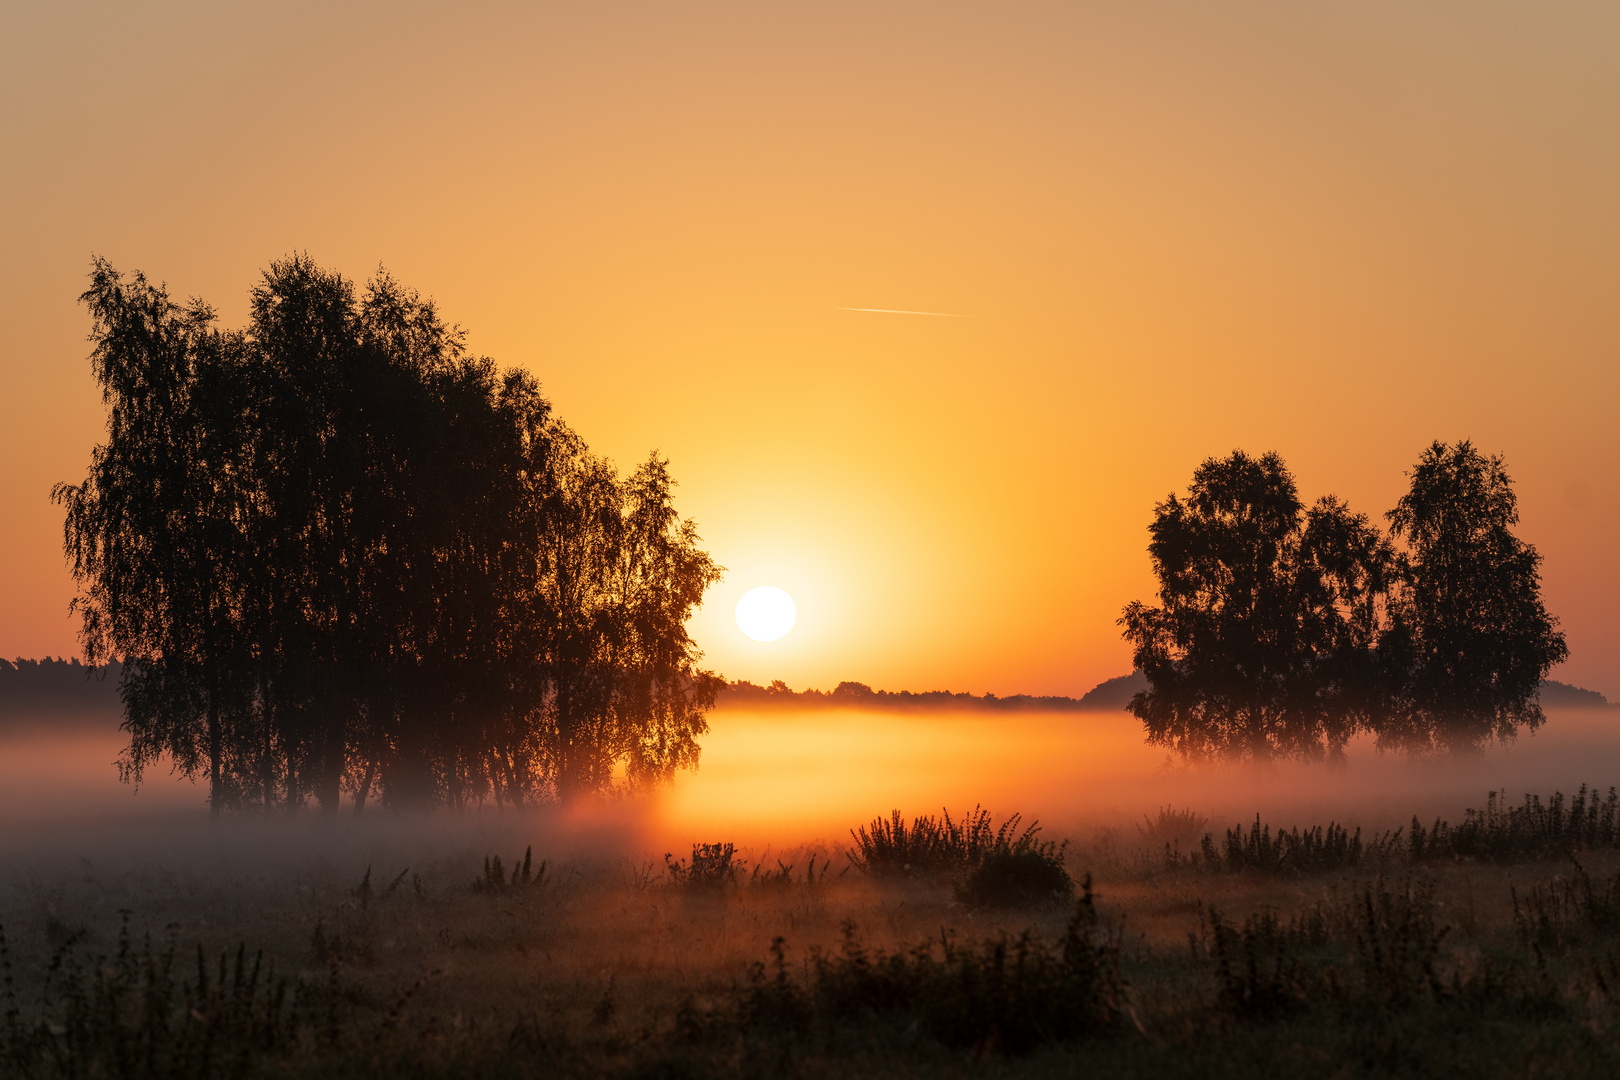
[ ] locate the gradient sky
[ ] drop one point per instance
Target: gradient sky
(1334, 230)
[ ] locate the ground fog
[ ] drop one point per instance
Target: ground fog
(594, 948)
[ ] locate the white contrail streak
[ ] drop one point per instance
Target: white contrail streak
(896, 311)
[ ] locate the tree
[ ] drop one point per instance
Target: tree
(1265, 614)
(341, 556)
(1470, 636)
(624, 575)
(154, 531)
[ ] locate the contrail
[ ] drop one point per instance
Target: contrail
(897, 311)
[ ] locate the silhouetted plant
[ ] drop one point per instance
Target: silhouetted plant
(1009, 866)
(524, 874)
(1567, 907)
(1001, 996)
(1377, 953)
(1171, 826)
(1533, 831)
(136, 1014)
(1293, 850)
(935, 846)
(1017, 869)
(713, 867)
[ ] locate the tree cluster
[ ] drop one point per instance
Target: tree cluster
(1285, 631)
(338, 554)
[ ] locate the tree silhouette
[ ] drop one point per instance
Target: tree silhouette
(1282, 631)
(625, 573)
(341, 555)
(1264, 608)
(1473, 639)
(154, 530)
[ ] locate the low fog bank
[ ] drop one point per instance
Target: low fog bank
(770, 781)
(72, 833)
(768, 775)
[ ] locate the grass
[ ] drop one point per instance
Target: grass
(1003, 867)
(1411, 959)
(1530, 832)
(999, 996)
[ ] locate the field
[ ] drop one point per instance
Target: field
(151, 944)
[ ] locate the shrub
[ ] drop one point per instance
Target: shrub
(1499, 833)
(713, 867)
(930, 847)
(1534, 830)
(1288, 851)
(1003, 995)
(1374, 956)
(1567, 908)
(1018, 870)
(1004, 867)
(1171, 827)
(1016, 879)
(137, 1013)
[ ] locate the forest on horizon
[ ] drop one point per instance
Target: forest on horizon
(60, 689)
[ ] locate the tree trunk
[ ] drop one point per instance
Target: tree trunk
(267, 762)
(361, 795)
(214, 745)
(328, 794)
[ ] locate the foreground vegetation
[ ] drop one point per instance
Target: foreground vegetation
(1488, 947)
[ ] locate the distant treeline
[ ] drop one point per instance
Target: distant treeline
(339, 555)
(57, 691)
(859, 695)
(50, 690)
(1111, 695)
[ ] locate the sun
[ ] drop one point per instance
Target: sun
(766, 613)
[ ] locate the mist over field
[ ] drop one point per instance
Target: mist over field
(788, 777)
(388, 922)
(779, 779)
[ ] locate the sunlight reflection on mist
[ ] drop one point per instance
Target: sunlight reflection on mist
(786, 777)
(781, 778)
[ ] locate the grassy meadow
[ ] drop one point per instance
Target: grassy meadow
(1186, 940)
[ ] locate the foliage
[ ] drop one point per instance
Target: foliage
(1267, 967)
(1452, 969)
(1284, 632)
(1012, 879)
(1468, 626)
(1289, 851)
(1263, 609)
(1008, 866)
(1534, 831)
(713, 867)
(928, 847)
(1008, 996)
(1567, 909)
(138, 1014)
(338, 553)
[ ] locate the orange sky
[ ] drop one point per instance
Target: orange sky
(1338, 231)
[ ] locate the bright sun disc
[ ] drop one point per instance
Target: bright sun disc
(766, 613)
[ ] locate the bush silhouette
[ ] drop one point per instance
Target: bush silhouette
(1016, 879)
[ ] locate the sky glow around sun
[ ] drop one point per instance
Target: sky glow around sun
(766, 613)
(1339, 232)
